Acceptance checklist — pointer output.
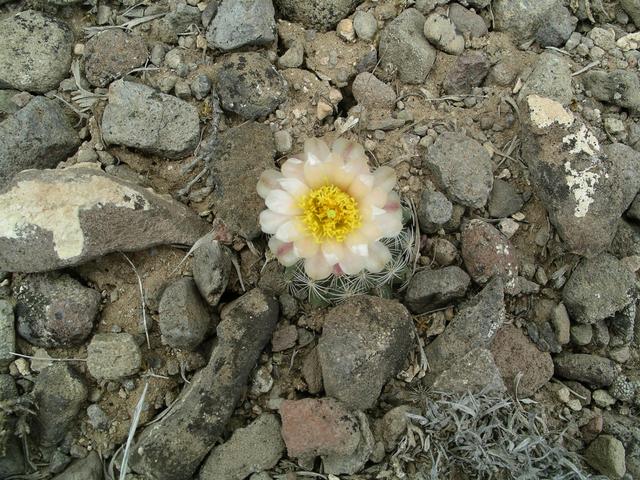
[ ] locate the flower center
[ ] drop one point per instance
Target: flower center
(329, 213)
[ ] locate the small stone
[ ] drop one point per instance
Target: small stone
(434, 210)
(54, 310)
(354, 462)
(365, 25)
(211, 268)
(467, 21)
(620, 354)
(403, 47)
(242, 23)
(521, 18)
(138, 116)
(182, 89)
(7, 334)
(550, 78)
(564, 394)
(603, 38)
(463, 167)
(157, 54)
(335, 429)
(487, 252)
(312, 372)
(508, 227)
(504, 200)
(429, 289)
(251, 449)
(316, 15)
(623, 389)
(602, 399)
(345, 30)
(293, 57)
(112, 356)
(371, 92)
(394, 425)
(200, 86)
(442, 33)
(515, 354)
(283, 140)
(558, 27)
(621, 87)
(97, 418)
(469, 71)
(87, 468)
(112, 54)
(632, 8)
(581, 335)
(182, 315)
(561, 324)
(249, 85)
(606, 454)
(284, 338)
(590, 369)
(474, 372)
(574, 404)
(58, 394)
(444, 252)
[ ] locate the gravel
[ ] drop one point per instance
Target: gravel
(442, 33)
(242, 23)
(430, 289)
(586, 368)
(112, 54)
(112, 356)
(7, 334)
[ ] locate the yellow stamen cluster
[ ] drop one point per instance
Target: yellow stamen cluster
(328, 213)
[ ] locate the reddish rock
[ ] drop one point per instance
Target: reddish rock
(514, 353)
(284, 338)
(487, 252)
(312, 427)
(469, 71)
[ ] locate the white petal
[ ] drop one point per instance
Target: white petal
(393, 204)
(385, 178)
(290, 231)
(317, 267)
(352, 264)
(390, 224)
(348, 150)
(333, 252)
(293, 168)
(281, 202)
(306, 246)
(361, 186)
(270, 221)
(293, 186)
(358, 242)
(283, 251)
(316, 151)
(378, 257)
(378, 197)
(268, 181)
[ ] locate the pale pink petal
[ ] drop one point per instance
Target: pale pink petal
(361, 186)
(290, 231)
(390, 224)
(393, 204)
(378, 197)
(333, 251)
(317, 267)
(316, 150)
(378, 257)
(270, 221)
(284, 252)
(281, 202)
(293, 186)
(352, 264)
(348, 150)
(306, 246)
(293, 167)
(268, 181)
(385, 178)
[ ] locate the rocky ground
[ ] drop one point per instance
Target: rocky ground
(144, 330)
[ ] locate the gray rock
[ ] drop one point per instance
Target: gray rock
(364, 342)
(632, 7)
(200, 86)
(585, 187)
(174, 447)
(112, 54)
(112, 356)
(434, 211)
(249, 85)
(463, 167)
(474, 372)
(393, 425)
(558, 27)
(403, 47)
(429, 289)
(477, 4)
(467, 21)
(98, 418)
(354, 462)
(40, 135)
(521, 17)
(551, 78)
(58, 393)
(622, 325)
(627, 239)
(620, 87)
(12, 462)
(182, 315)
(7, 105)
(59, 218)
(211, 268)
(473, 327)
(241, 23)
(238, 157)
(598, 288)
(88, 468)
(505, 199)
(365, 25)
(518, 358)
(321, 15)
(591, 369)
(561, 324)
(606, 454)
(35, 51)
(284, 338)
(7, 334)
(371, 92)
(312, 371)
(138, 116)
(470, 70)
(284, 141)
(293, 57)
(256, 447)
(54, 310)
(442, 33)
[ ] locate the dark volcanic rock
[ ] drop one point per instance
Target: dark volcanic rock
(582, 367)
(174, 447)
(317, 14)
(429, 289)
(112, 54)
